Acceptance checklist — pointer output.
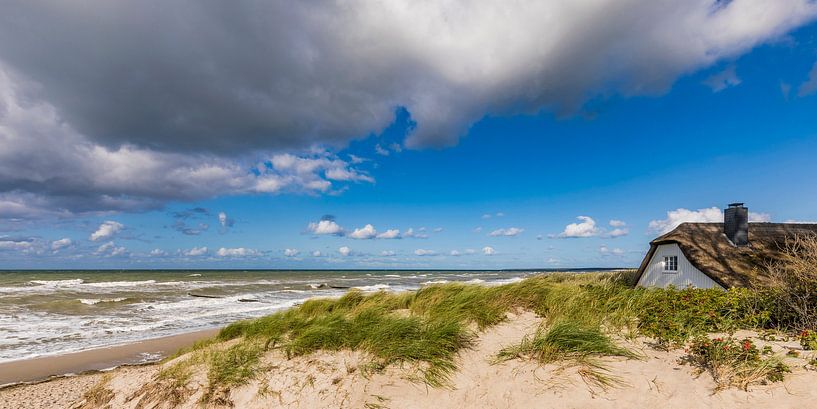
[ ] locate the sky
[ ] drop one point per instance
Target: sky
(406, 134)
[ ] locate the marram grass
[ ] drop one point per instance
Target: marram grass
(426, 328)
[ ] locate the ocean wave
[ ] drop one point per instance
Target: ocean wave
(435, 282)
(375, 287)
(506, 281)
(94, 301)
(109, 284)
(58, 283)
(194, 275)
(475, 281)
(392, 276)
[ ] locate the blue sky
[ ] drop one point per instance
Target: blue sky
(542, 184)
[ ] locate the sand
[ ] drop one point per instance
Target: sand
(36, 369)
(338, 380)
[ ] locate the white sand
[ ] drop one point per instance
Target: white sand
(335, 380)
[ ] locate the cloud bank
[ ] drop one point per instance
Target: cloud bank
(128, 105)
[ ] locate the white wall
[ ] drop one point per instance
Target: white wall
(687, 274)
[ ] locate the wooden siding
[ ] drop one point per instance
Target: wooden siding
(687, 274)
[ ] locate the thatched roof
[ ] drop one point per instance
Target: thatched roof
(708, 249)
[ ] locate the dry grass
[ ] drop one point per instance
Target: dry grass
(99, 396)
(794, 283)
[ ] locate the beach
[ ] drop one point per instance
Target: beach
(45, 313)
(99, 359)
(561, 340)
(336, 380)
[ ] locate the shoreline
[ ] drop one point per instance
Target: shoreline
(44, 368)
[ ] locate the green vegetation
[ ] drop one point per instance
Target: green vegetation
(426, 328)
(808, 340)
(570, 342)
(735, 363)
(566, 340)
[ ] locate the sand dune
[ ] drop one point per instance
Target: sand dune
(340, 380)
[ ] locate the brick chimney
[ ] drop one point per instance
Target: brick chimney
(736, 224)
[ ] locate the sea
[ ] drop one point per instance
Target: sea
(55, 312)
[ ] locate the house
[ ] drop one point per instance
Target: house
(717, 255)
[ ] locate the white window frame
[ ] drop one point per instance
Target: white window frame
(670, 261)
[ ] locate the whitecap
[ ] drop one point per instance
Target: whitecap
(94, 301)
(58, 283)
(435, 282)
(375, 287)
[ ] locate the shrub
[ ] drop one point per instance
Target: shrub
(672, 316)
(794, 283)
(808, 340)
(735, 363)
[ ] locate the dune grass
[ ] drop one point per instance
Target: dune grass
(426, 328)
(572, 343)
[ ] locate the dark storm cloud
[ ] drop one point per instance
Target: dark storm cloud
(124, 106)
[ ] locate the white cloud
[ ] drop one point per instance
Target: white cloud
(110, 249)
(325, 227)
(500, 214)
(553, 260)
(424, 252)
(604, 250)
(229, 252)
(723, 79)
(380, 150)
(617, 223)
(809, 87)
(387, 253)
(477, 230)
(366, 232)
(106, 230)
(196, 251)
(344, 251)
(13, 244)
(57, 245)
(586, 228)
(620, 232)
(438, 230)
(455, 253)
(678, 216)
(225, 221)
(291, 252)
(488, 251)
(509, 232)
(347, 175)
(486, 216)
(708, 215)
(389, 234)
(620, 229)
(316, 253)
(158, 253)
(759, 217)
(410, 233)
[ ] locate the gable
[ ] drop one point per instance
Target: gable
(687, 275)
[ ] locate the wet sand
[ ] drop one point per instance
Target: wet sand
(36, 369)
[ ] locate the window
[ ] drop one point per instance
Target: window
(671, 263)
